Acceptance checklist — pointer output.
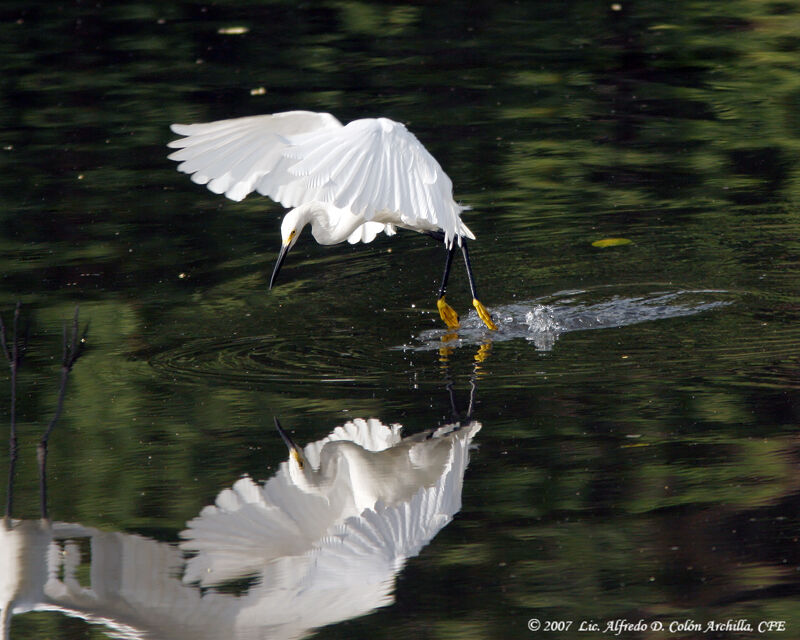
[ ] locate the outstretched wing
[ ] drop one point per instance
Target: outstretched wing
(234, 156)
(375, 168)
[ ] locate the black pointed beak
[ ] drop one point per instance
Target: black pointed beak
(294, 450)
(281, 257)
(285, 436)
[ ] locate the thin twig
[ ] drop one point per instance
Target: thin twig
(3, 340)
(13, 357)
(72, 349)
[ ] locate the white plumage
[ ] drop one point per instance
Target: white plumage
(363, 477)
(370, 171)
(348, 182)
(317, 551)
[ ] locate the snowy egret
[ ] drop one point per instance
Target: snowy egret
(359, 502)
(348, 182)
(303, 556)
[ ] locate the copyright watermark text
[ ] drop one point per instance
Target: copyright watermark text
(618, 626)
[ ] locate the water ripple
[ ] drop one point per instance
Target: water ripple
(265, 359)
(340, 359)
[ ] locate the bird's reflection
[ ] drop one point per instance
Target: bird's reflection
(343, 513)
(319, 544)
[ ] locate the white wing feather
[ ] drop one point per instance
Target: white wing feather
(379, 170)
(232, 156)
(375, 168)
(369, 230)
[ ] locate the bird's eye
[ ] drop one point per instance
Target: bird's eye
(292, 234)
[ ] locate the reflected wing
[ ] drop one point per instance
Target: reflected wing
(237, 156)
(371, 547)
(245, 530)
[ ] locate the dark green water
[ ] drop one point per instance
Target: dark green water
(638, 456)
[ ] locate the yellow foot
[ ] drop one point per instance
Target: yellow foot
(447, 313)
(444, 351)
(483, 314)
(483, 352)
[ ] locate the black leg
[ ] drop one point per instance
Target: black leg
(446, 276)
(465, 251)
(483, 314)
(446, 312)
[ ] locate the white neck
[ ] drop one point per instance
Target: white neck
(329, 224)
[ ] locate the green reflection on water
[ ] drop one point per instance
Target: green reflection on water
(673, 126)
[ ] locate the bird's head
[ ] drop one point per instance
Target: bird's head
(291, 227)
(295, 454)
(302, 475)
(297, 463)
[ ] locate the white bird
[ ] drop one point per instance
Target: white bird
(348, 182)
(362, 476)
(315, 545)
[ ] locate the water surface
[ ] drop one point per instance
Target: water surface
(637, 456)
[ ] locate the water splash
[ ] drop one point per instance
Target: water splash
(542, 321)
(543, 327)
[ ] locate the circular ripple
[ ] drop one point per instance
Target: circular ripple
(266, 359)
